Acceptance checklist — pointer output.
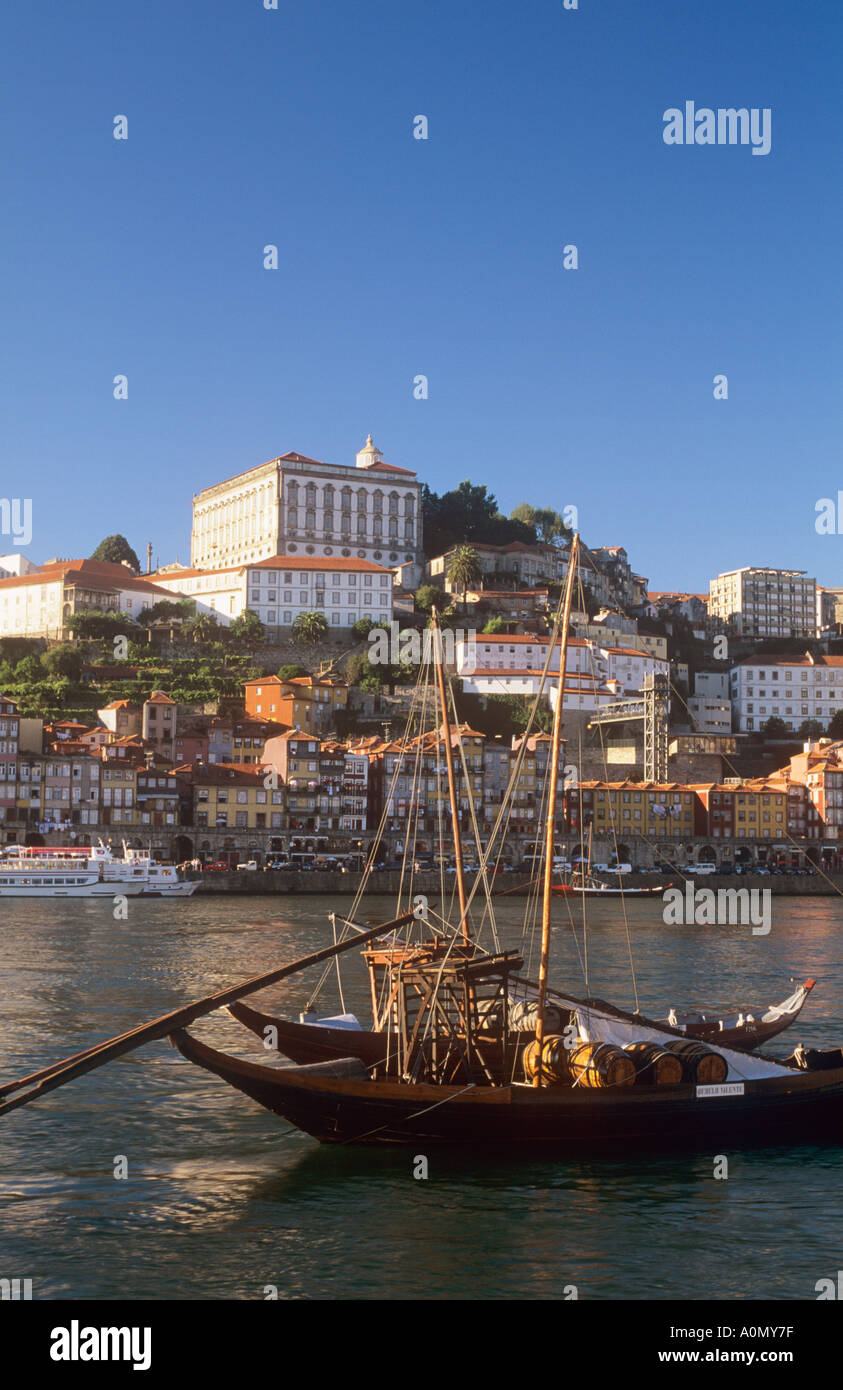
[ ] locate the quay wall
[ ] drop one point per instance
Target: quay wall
(244, 882)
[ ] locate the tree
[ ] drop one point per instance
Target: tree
(173, 610)
(247, 630)
(810, 728)
(65, 660)
(774, 727)
(362, 628)
(494, 625)
(544, 520)
(430, 596)
(290, 671)
(310, 627)
(114, 550)
(464, 569)
(835, 726)
(202, 629)
(29, 671)
(468, 513)
(91, 623)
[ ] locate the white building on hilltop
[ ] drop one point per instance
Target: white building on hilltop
(294, 505)
(281, 588)
(791, 688)
(765, 602)
(595, 676)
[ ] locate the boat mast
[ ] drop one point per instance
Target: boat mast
(449, 763)
(553, 781)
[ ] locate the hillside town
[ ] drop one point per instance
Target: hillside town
(231, 710)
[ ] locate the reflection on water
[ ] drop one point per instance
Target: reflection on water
(222, 1199)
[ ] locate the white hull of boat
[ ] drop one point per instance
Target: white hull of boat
(96, 889)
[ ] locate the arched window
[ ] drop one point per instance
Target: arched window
(393, 504)
(362, 500)
(393, 526)
(378, 526)
(409, 504)
(377, 500)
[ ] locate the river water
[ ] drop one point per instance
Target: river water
(222, 1201)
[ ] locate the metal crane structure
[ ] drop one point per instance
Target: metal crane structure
(653, 707)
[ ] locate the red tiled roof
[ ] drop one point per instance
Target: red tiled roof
(280, 562)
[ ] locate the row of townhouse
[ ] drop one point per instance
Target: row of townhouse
(752, 810)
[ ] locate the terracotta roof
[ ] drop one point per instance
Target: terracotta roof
(762, 659)
(159, 698)
(385, 468)
(92, 572)
(280, 562)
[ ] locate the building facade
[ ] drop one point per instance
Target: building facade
(765, 602)
(295, 505)
(791, 688)
(279, 589)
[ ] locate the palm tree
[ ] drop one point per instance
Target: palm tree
(464, 569)
(203, 628)
(310, 627)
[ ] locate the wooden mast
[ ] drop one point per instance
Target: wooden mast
(553, 781)
(449, 763)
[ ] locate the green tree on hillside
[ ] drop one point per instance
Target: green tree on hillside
(464, 569)
(247, 631)
(309, 628)
(114, 550)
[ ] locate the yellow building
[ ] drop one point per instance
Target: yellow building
(654, 809)
(235, 797)
(760, 810)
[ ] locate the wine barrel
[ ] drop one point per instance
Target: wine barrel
(556, 1063)
(601, 1064)
(524, 1016)
(700, 1065)
(653, 1065)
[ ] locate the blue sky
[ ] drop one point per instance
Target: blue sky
(591, 387)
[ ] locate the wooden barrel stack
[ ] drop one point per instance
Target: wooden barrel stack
(596, 1065)
(556, 1060)
(654, 1066)
(700, 1065)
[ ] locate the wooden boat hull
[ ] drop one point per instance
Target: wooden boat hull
(792, 1109)
(314, 1042)
(307, 1043)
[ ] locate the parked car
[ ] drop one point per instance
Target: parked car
(219, 866)
(250, 865)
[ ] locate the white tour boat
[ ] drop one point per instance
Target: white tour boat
(60, 872)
